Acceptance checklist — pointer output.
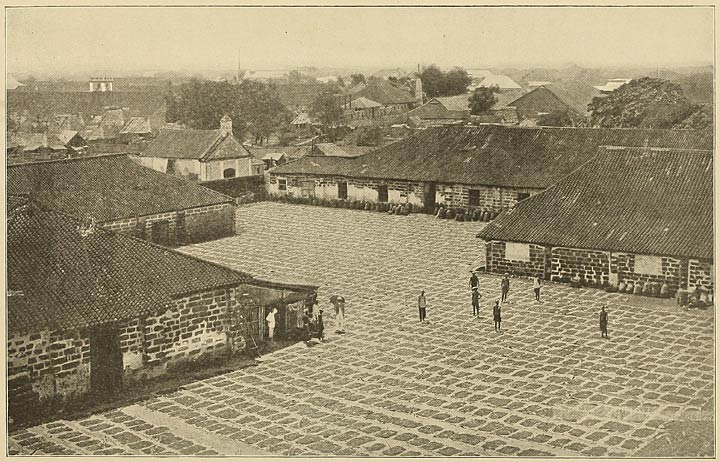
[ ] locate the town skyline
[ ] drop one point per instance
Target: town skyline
(272, 37)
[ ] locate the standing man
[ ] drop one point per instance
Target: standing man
(537, 283)
(474, 283)
(476, 301)
(497, 317)
(505, 286)
(339, 302)
(271, 323)
(603, 322)
(422, 305)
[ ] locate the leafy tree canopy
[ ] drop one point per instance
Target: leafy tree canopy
(326, 107)
(357, 78)
(254, 107)
(482, 99)
(644, 103)
(439, 83)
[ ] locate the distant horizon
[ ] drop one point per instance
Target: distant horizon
(167, 39)
(145, 73)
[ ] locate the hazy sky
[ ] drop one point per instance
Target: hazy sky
(82, 38)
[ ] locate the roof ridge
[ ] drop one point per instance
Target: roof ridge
(70, 159)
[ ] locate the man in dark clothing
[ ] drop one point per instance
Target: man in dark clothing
(603, 323)
(497, 316)
(422, 305)
(476, 302)
(474, 283)
(505, 286)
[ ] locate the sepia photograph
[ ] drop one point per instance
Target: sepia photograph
(359, 231)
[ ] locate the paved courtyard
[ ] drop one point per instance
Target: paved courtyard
(548, 385)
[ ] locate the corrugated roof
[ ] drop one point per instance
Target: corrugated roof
(640, 200)
(194, 144)
(70, 280)
(495, 155)
(106, 187)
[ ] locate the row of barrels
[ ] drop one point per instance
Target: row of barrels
(461, 214)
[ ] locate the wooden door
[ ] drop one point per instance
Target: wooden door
(382, 193)
(342, 190)
(106, 365)
(161, 233)
(429, 197)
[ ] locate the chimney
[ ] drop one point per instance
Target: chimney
(418, 91)
(226, 126)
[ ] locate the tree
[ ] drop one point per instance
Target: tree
(456, 82)
(254, 107)
(700, 118)
(171, 104)
(357, 78)
(326, 107)
(483, 99)
(642, 103)
(439, 83)
(433, 80)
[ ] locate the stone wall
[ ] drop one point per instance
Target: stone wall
(200, 224)
(587, 265)
(490, 198)
(47, 364)
(598, 268)
(700, 274)
(243, 188)
(209, 223)
(399, 191)
(497, 261)
(673, 271)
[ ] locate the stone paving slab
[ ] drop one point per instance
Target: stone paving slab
(547, 385)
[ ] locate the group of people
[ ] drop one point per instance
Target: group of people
(497, 307)
(312, 318)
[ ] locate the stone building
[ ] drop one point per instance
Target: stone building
(489, 168)
(90, 310)
(120, 195)
(568, 97)
(629, 215)
(200, 155)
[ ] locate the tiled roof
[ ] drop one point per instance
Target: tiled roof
(457, 102)
(383, 92)
(70, 280)
(485, 78)
(362, 103)
(495, 155)
(575, 95)
(195, 144)
(137, 125)
(106, 187)
(504, 98)
(330, 150)
(318, 165)
(435, 109)
(142, 103)
(640, 200)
